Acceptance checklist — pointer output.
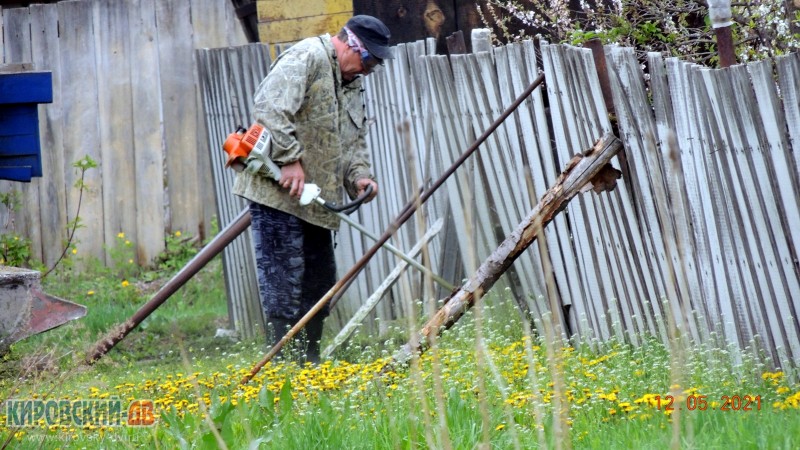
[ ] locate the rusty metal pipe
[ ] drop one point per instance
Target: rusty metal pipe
(206, 254)
(725, 47)
(406, 213)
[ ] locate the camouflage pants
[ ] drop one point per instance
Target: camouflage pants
(294, 260)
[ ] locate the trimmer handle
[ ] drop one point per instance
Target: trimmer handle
(349, 208)
(311, 194)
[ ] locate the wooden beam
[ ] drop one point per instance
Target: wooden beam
(589, 170)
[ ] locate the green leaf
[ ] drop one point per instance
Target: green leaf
(286, 397)
(221, 413)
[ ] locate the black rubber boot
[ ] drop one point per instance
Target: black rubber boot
(277, 327)
(313, 335)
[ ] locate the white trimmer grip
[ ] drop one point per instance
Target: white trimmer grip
(310, 193)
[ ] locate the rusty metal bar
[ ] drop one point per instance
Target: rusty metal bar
(727, 55)
(393, 227)
(206, 254)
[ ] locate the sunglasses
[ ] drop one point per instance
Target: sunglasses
(369, 62)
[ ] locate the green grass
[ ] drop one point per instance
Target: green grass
(450, 398)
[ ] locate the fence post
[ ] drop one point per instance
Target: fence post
(720, 13)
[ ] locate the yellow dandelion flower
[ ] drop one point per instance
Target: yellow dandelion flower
(499, 427)
(130, 261)
(74, 251)
(771, 375)
(177, 234)
(90, 293)
(125, 283)
(121, 235)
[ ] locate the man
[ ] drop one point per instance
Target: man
(312, 104)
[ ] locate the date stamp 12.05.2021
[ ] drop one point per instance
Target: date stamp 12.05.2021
(696, 402)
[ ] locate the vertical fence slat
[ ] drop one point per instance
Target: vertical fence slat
(115, 109)
(81, 119)
(179, 116)
(52, 190)
(146, 117)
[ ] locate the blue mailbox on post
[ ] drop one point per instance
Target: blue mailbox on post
(21, 91)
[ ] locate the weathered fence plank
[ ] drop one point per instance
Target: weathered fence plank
(52, 195)
(114, 100)
(179, 117)
(80, 121)
(146, 116)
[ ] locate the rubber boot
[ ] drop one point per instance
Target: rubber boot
(277, 327)
(313, 335)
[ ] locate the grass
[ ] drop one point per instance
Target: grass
(485, 384)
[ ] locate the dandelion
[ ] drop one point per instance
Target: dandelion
(90, 293)
(74, 251)
(121, 235)
(125, 283)
(499, 427)
(773, 377)
(178, 233)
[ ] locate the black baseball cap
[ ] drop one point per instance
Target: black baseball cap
(373, 34)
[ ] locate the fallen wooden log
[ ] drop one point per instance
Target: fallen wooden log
(589, 170)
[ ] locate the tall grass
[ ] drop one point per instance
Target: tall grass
(611, 389)
(487, 382)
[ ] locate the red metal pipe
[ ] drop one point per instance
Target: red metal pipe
(212, 249)
(407, 212)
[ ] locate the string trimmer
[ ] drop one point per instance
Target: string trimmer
(249, 149)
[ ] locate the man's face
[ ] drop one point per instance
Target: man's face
(351, 64)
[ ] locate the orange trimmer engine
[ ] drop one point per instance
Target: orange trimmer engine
(240, 143)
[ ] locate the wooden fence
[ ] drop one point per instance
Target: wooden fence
(125, 94)
(704, 227)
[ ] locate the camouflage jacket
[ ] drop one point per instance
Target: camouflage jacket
(312, 117)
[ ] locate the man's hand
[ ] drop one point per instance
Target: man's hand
(362, 184)
(293, 178)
